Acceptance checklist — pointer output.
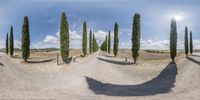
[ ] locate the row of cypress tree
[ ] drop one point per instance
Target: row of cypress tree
(93, 43)
(173, 41)
(187, 42)
(93, 46)
(25, 41)
(106, 45)
(64, 40)
(10, 44)
(136, 39)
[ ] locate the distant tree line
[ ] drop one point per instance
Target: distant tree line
(10, 43)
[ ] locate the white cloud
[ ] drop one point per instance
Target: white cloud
(76, 41)
(54, 41)
(101, 35)
(50, 39)
(2, 43)
(158, 45)
(17, 43)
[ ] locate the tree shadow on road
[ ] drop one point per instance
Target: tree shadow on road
(41, 61)
(193, 60)
(1, 64)
(196, 55)
(163, 83)
(116, 62)
(106, 55)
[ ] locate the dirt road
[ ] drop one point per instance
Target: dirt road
(102, 78)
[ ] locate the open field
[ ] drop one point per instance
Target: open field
(101, 77)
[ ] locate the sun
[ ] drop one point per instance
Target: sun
(178, 17)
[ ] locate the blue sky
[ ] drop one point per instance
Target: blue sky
(44, 18)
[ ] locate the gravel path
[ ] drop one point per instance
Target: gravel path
(91, 78)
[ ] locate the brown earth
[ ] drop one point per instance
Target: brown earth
(100, 77)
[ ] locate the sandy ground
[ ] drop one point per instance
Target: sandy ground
(101, 77)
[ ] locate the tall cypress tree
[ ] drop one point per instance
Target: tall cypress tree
(84, 39)
(25, 39)
(106, 43)
(91, 50)
(173, 39)
(11, 41)
(116, 40)
(186, 41)
(136, 37)
(104, 46)
(109, 42)
(64, 38)
(7, 47)
(191, 43)
(95, 45)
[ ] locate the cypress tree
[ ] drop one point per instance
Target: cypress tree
(136, 37)
(84, 39)
(104, 46)
(91, 50)
(191, 43)
(11, 41)
(64, 39)
(116, 40)
(25, 39)
(109, 42)
(186, 41)
(173, 39)
(7, 47)
(95, 45)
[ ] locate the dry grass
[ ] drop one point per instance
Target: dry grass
(144, 55)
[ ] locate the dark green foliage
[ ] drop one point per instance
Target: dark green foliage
(173, 40)
(64, 39)
(109, 42)
(95, 45)
(191, 43)
(84, 39)
(7, 47)
(104, 46)
(25, 39)
(11, 41)
(186, 41)
(91, 42)
(136, 37)
(116, 40)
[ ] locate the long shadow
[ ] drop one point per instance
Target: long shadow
(196, 55)
(41, 61)
(106, 55)
(193, 60)
(1, 64)
(163, 83)
(116, 62)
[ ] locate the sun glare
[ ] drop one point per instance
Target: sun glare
(178, 17)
